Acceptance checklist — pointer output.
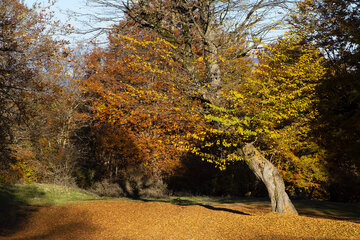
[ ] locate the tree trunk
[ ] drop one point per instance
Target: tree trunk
(211, 61)
(213, 80)
(266, 171)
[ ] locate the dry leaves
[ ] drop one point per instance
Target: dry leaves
(155, 220)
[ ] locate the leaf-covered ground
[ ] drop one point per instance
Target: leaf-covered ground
(161, 220)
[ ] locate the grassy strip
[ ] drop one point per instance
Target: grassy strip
(42, 194)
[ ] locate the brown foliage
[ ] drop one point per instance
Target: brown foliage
(133, 89)
(35, 102)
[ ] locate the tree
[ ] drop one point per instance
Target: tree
(132, 87)
(17, 77)
(276, 106)
(32, 84)
(334, 28)
(193, 28)
(51, 124)
(202, 29)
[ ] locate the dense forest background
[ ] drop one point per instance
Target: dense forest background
(179, 88)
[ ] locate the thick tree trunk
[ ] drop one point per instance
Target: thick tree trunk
(266, 171)
(211, 61)
(212, 83)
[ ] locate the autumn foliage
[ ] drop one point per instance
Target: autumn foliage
(275, 107)
(133, 89)
(31, 93)
(177, 89)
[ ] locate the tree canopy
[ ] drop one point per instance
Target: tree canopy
(181, 86)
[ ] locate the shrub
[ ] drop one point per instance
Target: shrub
(106, 188)
(137, 183)
(154, 188)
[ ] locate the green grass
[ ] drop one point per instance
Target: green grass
(42, 194)
(19, 201)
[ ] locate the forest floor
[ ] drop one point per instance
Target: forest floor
(159, 220)
(175, 218)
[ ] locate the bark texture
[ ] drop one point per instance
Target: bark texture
(213, 77)
(267, 172)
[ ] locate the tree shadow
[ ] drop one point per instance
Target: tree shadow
(329, 210)
(72, 230)
(14, 209)
(223, 209)
(16, 213)
(186, 202)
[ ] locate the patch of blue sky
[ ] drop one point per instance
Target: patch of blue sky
(80, 16)
(90, 20)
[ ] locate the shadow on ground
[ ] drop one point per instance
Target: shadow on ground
(310, 208)
(14, 210)
(72, 228)
(330, 210)
(223, 209)
(16, 213)
(186, 202)
(57, 232)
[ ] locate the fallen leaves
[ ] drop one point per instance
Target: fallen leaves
(156, 220)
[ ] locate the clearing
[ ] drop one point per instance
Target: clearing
(173, 218)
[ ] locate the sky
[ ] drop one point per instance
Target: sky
(61, 6)
(64, 11)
